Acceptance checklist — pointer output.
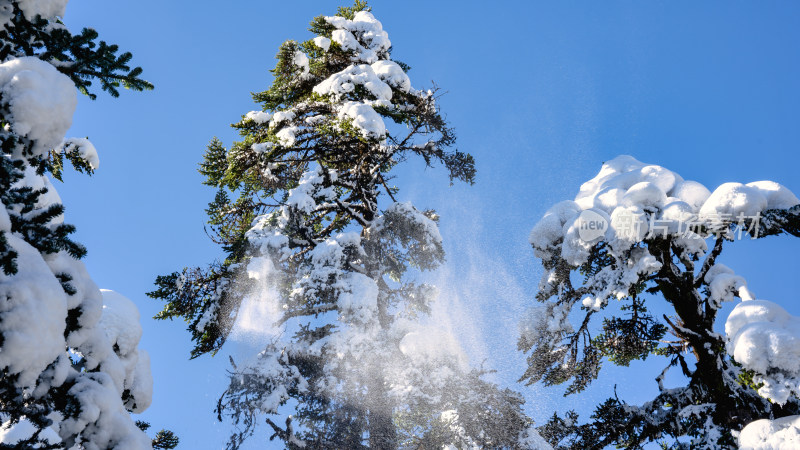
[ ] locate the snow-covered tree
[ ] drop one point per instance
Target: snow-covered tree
(315, 220)
(70, 369)
(638, 234)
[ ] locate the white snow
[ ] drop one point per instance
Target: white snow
(364, 118)
(48, 9)
(5, 219)
(322, 42)
(39, 103)
(691, 192)
(102, 422)
(763, 337)
(723, 283)
(40, 99)
(301, 60)
(646, 201)
(37, 182)
(262, 147)
(732, 200)
(344, 82)
(766, 434)
(625, 208)
(547, 233)
(259, 117)
(532, 440)
(120, 321)
(358, 303)
(281, 116)
(363, 35)
(392, 74)
(34, 313)
(287, 136)
(778, 196)
(84, 148)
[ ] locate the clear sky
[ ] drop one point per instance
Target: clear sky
(541, 93)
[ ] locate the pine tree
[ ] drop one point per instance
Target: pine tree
(305, 207)
(637, 235)
(70, 369)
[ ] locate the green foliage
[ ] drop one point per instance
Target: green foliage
(632, 338)
(85, 61)
(719, 396)
(164, 439)
(351, 170)
(80, 57)
(196, 295)
(251, 184)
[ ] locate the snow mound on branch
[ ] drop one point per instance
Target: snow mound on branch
(85, 150)
(259, 117)
(765, 434)
(309, 191)
(120, 321)
(548, 232)
(364, 28)
(41, 101)
(102, 422)
(723, 284)
(393, 74)
(778, 197)
(344, 82)
(48, 9)
(364, 118)
(35, 348)
(645, 201)
(301, 60)
(34, 314)
(764, 338)
(732, 200)
(322, 42)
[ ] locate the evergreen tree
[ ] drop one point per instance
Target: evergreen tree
(70, 370)
(305, 208)
(638, 234)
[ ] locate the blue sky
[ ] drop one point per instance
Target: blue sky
(541, 93)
